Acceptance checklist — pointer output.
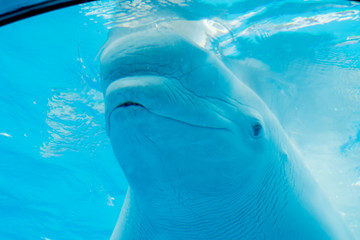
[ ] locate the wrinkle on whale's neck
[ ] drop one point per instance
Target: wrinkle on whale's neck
(243, 215)
(194, 216)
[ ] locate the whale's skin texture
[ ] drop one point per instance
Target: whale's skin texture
(203, 155)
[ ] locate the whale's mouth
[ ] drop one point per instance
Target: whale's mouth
(133, 96)
(129, 104)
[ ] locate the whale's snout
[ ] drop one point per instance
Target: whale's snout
(164, 74)
(139, 92)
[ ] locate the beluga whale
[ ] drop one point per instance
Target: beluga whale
(203, 155)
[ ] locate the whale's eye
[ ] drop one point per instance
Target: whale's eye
(257, 130)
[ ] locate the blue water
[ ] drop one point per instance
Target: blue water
(59, 179)
(58, 176)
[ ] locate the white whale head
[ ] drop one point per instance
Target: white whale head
(177, 118)
(197, 145)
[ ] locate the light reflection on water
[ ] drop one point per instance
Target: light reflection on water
(69, 125)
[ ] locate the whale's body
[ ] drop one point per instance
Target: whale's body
(204, 156)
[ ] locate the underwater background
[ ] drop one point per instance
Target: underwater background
(58, 176)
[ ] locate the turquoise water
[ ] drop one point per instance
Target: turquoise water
(58, 176)
(59, 179)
